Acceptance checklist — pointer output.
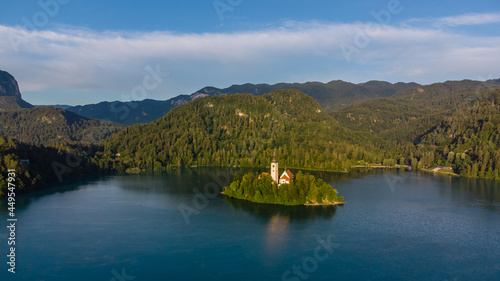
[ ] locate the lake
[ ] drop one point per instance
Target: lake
(174, 225)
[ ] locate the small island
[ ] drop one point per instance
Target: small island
(302, 189)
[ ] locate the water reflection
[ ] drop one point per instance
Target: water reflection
(277, 232)
(177, 181)
(486, 190)
(268, 212)
(67, 186)
(479, 192)
(462, 192)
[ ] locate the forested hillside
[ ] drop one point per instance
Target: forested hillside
(42, 164)
(468, 139)
(411, 112)
(50, 126)
(243, 130)
(429, 126)
(331, 96)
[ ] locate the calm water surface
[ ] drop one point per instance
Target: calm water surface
(395, 226)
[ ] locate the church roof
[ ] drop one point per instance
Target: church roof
(287, 175)
(283, 177)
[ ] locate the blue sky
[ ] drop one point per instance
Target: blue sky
(79, 52)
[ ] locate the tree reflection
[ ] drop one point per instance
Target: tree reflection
(267, 212)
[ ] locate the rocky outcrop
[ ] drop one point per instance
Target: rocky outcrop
(10, 96)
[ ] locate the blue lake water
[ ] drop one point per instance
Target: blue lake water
(396, 226)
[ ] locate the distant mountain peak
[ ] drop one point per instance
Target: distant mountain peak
(10, 96)
(8, 85)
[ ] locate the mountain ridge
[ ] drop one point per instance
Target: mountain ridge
(332, 95)
(415, 107)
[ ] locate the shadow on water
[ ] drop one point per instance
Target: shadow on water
(68, 185)
(266, 212)
(177, 181)
(480, 192)
(486, 190)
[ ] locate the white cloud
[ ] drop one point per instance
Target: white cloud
(114, 62)
(470, 19)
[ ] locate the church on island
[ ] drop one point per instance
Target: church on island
(286, 177)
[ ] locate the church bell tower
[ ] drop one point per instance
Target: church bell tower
(274, 168)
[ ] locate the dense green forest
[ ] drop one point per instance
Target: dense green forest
(305, 189)
(242, 130)
(50, 126)
(411, 128)
(447, 124)
(468, 139)
(411, 112)
(452, 124)
(46, 163)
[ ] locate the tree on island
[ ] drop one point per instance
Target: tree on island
(305, 189)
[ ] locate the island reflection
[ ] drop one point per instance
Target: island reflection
(269, 212)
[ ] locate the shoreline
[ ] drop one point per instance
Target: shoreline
(136, 171)
(405, 167)
(306, 204)
(331, 204)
